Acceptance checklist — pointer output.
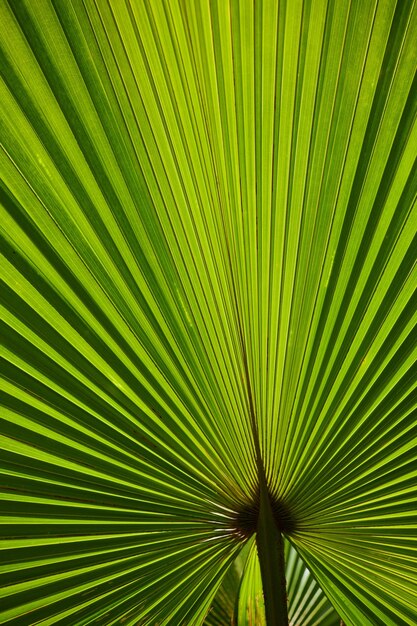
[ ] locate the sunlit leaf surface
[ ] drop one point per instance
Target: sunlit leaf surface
(208, 232)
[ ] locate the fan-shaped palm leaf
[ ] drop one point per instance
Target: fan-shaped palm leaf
(208, 305)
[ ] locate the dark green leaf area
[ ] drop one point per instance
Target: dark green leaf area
(246, 518)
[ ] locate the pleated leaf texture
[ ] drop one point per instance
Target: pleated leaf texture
(208, 242)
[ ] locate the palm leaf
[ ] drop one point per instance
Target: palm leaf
(208, 268)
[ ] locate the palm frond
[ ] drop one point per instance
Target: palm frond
(208, 244)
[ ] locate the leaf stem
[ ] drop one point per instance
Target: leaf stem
(270, 546)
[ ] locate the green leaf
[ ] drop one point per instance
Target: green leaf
(208, 235)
